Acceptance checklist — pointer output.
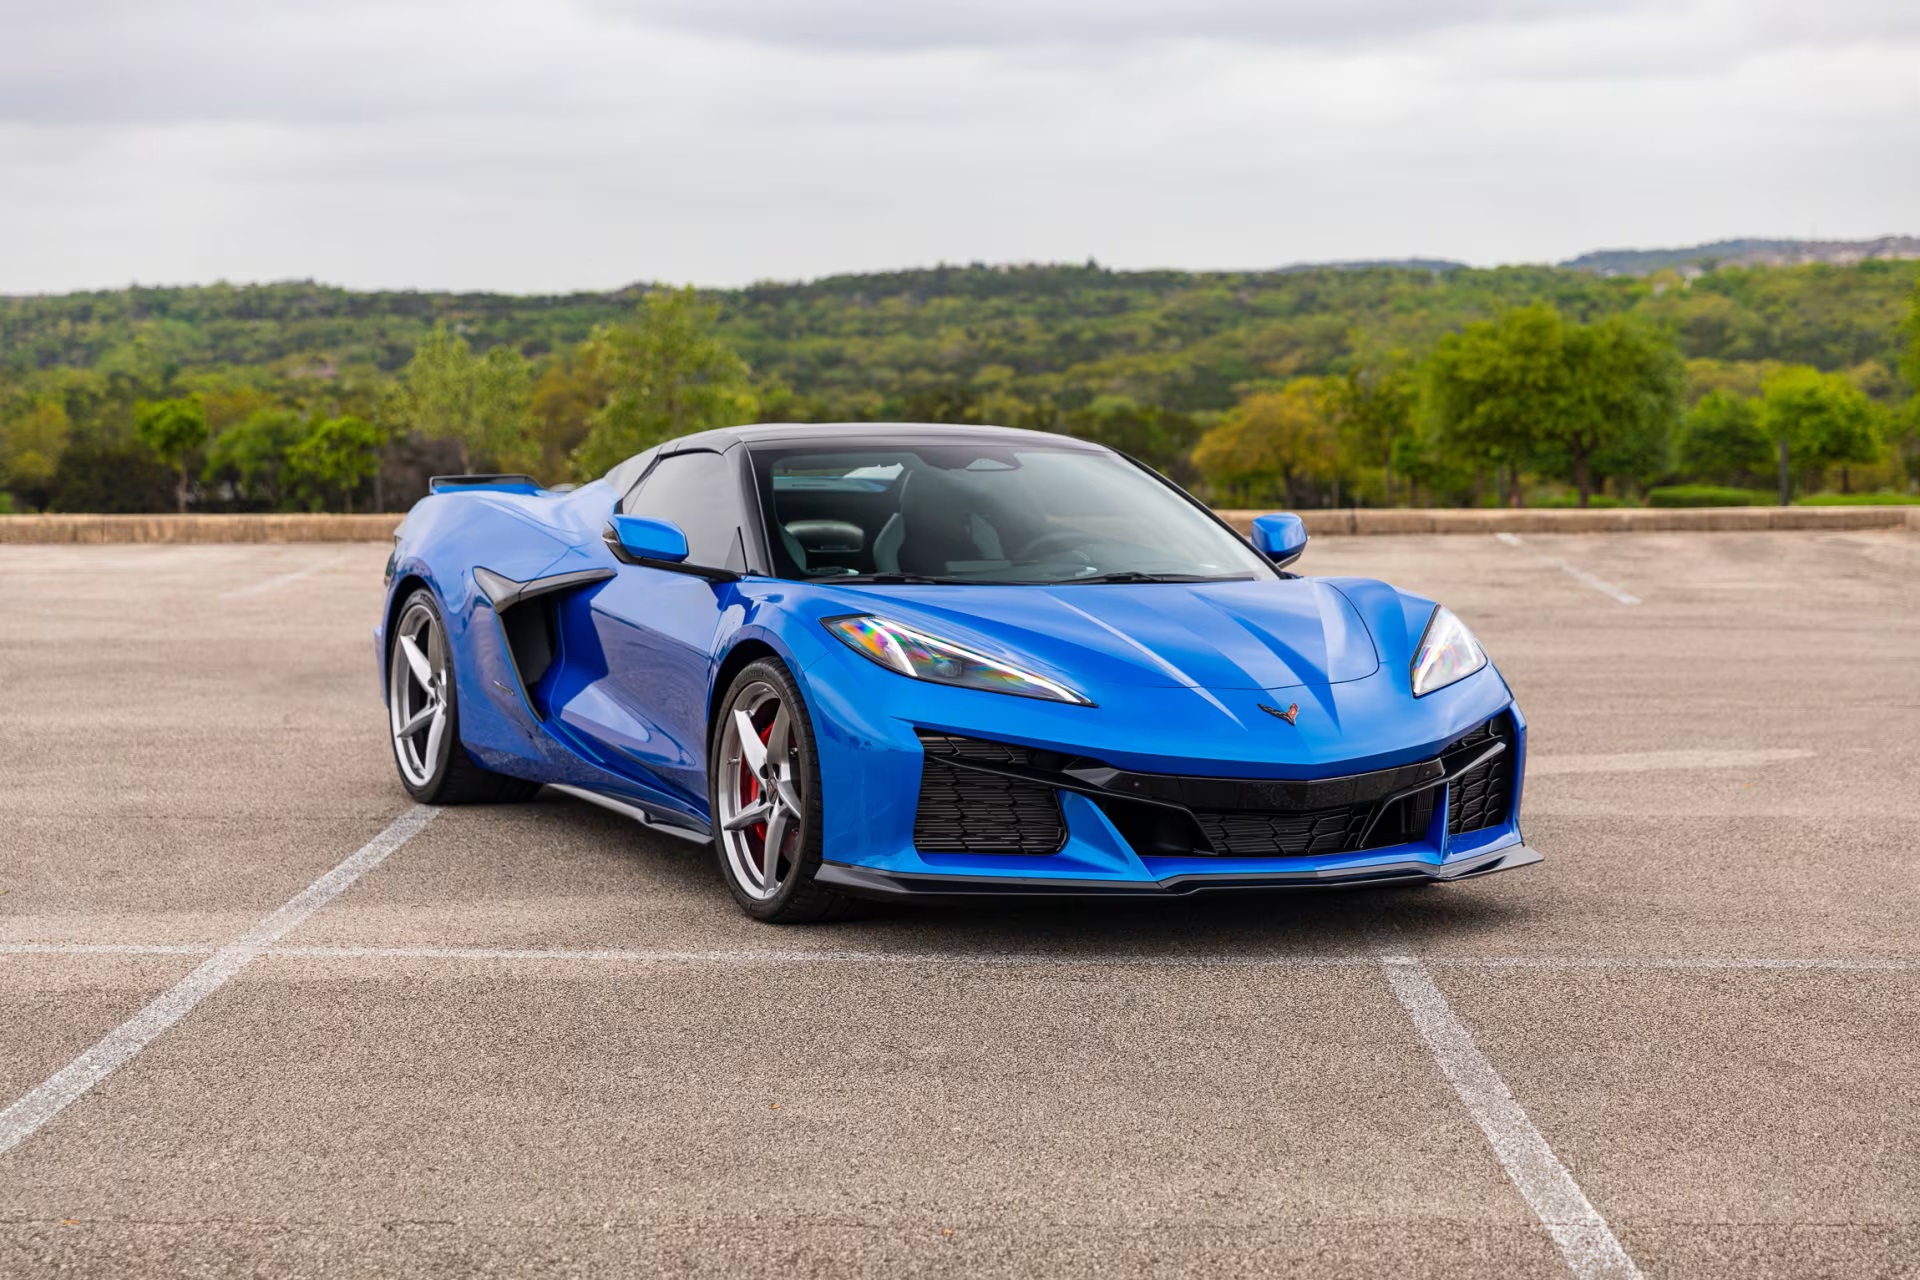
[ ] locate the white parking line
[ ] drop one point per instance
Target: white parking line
(1661, 761)
(255, 588)
(52, 1096)
(1586, 1243)
(1575, 572)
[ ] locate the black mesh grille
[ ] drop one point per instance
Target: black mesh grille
(1481, 798)
(968, 811)
(1249, 835)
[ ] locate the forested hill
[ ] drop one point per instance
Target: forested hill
(852, 345)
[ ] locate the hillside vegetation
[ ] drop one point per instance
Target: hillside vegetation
(1314, 386)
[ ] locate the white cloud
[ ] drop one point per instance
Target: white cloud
(533, 145)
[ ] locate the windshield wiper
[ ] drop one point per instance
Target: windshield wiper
(882, 579)
(1134, 575)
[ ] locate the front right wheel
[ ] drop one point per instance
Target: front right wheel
(764, 787)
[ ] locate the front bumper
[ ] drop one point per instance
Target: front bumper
(865, 882)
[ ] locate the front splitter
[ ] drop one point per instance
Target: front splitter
(866, 882)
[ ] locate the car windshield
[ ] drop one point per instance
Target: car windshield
(987, 512)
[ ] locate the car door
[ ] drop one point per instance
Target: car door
(656, 628)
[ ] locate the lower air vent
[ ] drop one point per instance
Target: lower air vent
(1483, 797)
(1253, 835)
(966, 810)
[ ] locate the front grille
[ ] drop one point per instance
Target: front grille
(965, 810)
(1252, 835)
(1482, 797)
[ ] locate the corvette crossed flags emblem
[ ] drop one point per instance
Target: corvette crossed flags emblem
(1291, 714)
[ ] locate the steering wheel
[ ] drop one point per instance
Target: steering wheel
(1058, 540)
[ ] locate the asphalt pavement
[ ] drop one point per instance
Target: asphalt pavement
(260, 1016)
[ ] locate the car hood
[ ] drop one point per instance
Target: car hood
(1212, 635)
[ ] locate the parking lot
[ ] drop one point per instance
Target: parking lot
(540, 1039)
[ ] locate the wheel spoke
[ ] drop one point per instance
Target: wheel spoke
(779, 737)
(789, 796)
(770, 857)
(420, 721)
(417, 661)
(749, 816)
(430, 758)
(752, 750)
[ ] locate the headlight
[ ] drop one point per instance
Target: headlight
(1447, 653)
(923, 657)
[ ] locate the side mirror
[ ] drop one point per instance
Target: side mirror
(1280, 538)
(657, 544)
(644, 539)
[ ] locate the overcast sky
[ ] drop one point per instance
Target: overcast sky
(545, 145)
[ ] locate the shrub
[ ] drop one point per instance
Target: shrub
(1573, 500)
(1706, 495)
(1857, 500)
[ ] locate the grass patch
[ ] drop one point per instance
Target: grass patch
(1707, 495)
(1858, 500)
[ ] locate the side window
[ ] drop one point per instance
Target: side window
(700, 492)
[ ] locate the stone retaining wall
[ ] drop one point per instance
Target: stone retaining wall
(378, 528)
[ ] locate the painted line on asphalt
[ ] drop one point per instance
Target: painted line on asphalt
(1662, 761)
(254, 589)
(1573, 571)
(1586, 1243)
(1146, 960)
(24, 1117)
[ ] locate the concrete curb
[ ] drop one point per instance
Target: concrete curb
(44, 529)
(261, 528)
(1594, 520)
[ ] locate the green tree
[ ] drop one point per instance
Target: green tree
(1820, 419)
(334, 459)
(1271, 437)
(482, 403)
(250, 455)
(30, 447)
(174, 430)
(668, 375)
(1494, 386)
(1374, 410)
(1624, 381)
(1721, 440)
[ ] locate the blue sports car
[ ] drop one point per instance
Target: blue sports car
(917, 661)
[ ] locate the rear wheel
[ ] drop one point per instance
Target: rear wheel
(764, 785)
(423, 713)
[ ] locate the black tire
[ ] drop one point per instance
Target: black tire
(798, 898)
(436, 770)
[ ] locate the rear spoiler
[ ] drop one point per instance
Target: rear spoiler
(514, 483)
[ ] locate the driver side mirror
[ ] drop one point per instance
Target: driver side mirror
(1280, 538)
(656, 544)
(645, 539)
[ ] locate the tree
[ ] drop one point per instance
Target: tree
(484, 403)
(1820, 418)
(1722, 441)
(668, 375)
(30, 447)
(174, 430)
(336, 457)
(1495, 385)
(1373, 410)
(250, 454)
(1529, 387)
(1284, 436)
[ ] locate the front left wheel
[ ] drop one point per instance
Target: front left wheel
(764, 785)
(423, 713)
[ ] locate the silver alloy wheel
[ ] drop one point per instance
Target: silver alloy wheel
(761, 808)
(417, 695)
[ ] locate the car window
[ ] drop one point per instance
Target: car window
(700, 492)
(988, 512)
